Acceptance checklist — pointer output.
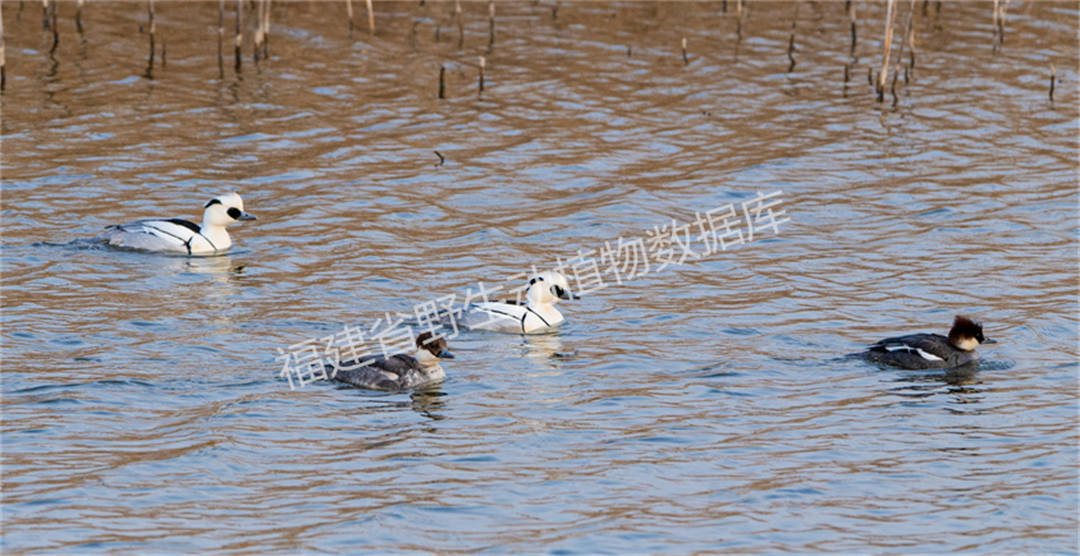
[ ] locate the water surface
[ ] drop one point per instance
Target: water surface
(697, 407)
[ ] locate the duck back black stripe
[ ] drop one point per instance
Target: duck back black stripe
(186, 223)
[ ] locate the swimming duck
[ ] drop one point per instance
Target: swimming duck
(182, 236)
(397, 372)
(930, 351)
(536, 314)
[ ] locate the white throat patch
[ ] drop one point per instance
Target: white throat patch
(967, 344)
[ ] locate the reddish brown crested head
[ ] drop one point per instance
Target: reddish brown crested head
(966, 334)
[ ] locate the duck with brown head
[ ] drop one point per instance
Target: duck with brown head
(930, 351)
(397, 372)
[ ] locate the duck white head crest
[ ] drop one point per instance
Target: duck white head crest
(549, 287)
(224, 210)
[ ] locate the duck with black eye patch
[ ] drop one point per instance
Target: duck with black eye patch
(931, 351)
(396, 372)
(537, 314)
(176, 235)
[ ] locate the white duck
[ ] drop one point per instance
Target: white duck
(536, 315)
(182, 236)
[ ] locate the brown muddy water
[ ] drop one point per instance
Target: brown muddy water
(701, 406)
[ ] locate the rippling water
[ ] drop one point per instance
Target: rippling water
(701, 407)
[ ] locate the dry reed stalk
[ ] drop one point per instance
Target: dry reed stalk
(911, 49)
(482, 64)
(221, 39)
(1052, 78)
(78, 16)
(349, 14)
(460, 23)
(909, 25)
(53, 27)
(442, 81)
(892, 89)
(3, 59)
(738, 18)
(260, 8)
(851, 15)
(1000, 16)
(152, 26)
(491, 25)
(370, 18)
(239, 34)
(266, 30)
(996, 27)
(791, 39)
(884, 75)
(685, 58)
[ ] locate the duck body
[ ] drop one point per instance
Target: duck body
(514, 318)
(396, 372)
(930, 351)
(919, 351)
(535, 315)
(172, 235)
(176, 235)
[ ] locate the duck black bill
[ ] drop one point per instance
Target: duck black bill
(445, 354)
(238, 214)
(564, 294)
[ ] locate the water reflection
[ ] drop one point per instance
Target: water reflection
(221, 266)
(545, 349)
(962, 385)
(428, 402)
(964, 374)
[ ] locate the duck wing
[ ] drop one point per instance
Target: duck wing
(175, 234)
(399, 364)
(383, 373)
(499, 317)
(914, 350)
